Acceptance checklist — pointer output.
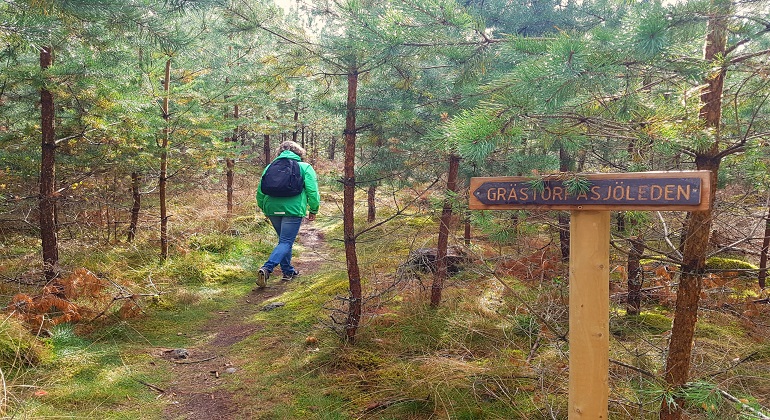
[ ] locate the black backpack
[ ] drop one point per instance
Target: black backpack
(283, 178)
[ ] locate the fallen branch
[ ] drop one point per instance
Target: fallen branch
(760, 415)
(151, 386)
(635, 369)
(190, 362)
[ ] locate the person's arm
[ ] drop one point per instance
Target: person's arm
(311, 191)
(260, 196)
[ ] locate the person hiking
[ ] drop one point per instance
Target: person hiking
(285, 210)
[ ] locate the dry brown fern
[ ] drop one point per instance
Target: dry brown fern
(73, 298)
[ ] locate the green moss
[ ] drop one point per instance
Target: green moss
(188, 271)
(359, 358)
(715, 332)
(217, 273)
(19, 347)
(726, 264)
(646, 322)
(214, 243)
(420, 222)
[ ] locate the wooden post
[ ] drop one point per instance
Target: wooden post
(589, 260)
(589, 314)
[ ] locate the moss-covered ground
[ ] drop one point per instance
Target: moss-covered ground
(494, 349)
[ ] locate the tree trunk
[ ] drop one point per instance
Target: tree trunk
(635, 276)
(699, 226)
(313, 147)
(47, 204)
(687, 299)
(762, 275)
(266, 148)
(348, 207)
(467, 231)
(332, 147)
(371, 195)
(230, 163)
(135, 207)
(296, 129)
(443, 233)
(162, 178)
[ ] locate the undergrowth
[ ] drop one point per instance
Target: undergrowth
(496, 347)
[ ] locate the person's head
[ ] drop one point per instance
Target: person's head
(294, 147)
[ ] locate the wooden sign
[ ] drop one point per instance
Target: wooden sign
(590, 254)
(688, 191)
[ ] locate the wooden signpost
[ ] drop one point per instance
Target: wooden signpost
(590, 252)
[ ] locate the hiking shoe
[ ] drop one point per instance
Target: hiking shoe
(262, 277)
(290, 276)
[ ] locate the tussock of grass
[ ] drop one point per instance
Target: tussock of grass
(18, 347)
(644, 323)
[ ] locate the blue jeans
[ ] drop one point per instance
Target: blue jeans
(287, 228)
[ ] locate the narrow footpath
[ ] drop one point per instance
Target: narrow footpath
(196, 393)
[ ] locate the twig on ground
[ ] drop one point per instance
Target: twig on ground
(191, 362)
(151, 386)
(634, 368)
(760, 415)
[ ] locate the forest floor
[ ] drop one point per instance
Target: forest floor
(494, 349)
(196, 392)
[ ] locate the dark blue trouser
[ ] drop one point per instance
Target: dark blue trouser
(287, 228)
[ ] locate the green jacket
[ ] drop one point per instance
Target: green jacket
(298, 205)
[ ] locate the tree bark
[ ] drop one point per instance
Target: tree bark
(162, 178)
(135, 207)
(635, 276)
(230, 163)
(348, 209)
(47, 204)
(313, 147)
(762, 275)
(296, 129)
(467, 230)
(699, 226)
(266, 148)
(371, 195)
(332, 147)
(443, 234)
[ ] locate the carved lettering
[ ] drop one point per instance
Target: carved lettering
(669, 193)
(559, 193)
(643, 192)
(656, 192)
(629, 197)
(617, 192)
(604, 190)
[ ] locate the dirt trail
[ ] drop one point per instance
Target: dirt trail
(195, 393)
